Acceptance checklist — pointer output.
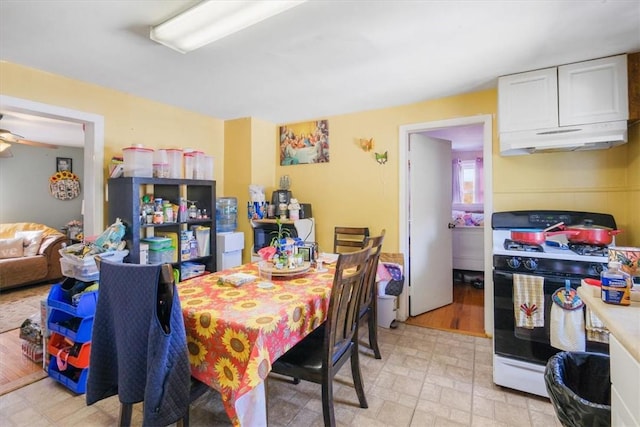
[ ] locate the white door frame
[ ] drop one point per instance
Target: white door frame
(403, 208)
(93, 219)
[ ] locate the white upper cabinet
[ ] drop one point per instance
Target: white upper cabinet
(575, 94)
(593, 91)
(528, 100)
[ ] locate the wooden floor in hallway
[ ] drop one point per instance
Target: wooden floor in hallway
(465, 315)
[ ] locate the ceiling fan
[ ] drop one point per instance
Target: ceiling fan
(7, 138)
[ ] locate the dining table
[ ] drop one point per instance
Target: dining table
(235, 333)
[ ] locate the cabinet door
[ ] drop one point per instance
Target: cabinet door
(528, 100)
(593, 91)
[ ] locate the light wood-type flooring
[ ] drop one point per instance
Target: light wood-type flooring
(464, 315)
(16, 369)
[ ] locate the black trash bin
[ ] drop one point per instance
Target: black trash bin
(579, 385)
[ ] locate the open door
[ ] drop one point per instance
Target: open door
(430, 251)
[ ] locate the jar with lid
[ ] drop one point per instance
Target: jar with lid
(616, 285)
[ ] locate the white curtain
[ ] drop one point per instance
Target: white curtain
(478, 196)
(455, 182)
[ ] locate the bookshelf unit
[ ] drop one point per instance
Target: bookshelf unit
(125, 202)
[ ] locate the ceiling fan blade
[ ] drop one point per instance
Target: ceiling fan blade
(12, 138)
(36, 143)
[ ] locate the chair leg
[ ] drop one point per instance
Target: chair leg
(373, 334)
(357, 377)
(125, 414)
(327, 402)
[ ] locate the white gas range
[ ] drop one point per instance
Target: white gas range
(520, 354)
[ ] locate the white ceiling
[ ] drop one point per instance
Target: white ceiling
(322, 58)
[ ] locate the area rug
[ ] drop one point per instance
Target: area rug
(18, 305)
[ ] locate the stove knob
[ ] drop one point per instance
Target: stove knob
(531, 264)
(598, 268)
(514, 262)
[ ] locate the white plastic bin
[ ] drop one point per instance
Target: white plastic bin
(386, 310)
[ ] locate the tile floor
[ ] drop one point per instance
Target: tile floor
(425, 378)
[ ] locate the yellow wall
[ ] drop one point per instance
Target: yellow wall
(248, 160)
(352, 189)
(127, 119)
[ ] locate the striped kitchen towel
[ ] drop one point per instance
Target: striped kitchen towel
(596, 331)
(528, 301)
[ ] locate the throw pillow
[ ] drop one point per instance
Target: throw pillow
(32, 240)
(11, 248)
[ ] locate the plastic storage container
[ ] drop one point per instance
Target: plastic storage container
(161, 256)
(138, 161)
(174, 158)
(157, 243)
(85, 269)
(226, 214)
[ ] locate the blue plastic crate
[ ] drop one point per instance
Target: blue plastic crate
(86, 306)
(74, 379)
(58, 322)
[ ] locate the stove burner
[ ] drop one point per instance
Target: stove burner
(587, 249)
(512, 245)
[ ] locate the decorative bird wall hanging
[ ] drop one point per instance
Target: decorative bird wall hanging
(366, 144)
(381, 158)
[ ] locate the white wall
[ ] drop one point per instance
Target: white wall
(24, 186)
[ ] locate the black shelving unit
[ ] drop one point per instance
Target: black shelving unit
(125, 200)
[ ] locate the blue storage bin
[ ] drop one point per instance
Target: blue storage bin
(59, 300)
(75, 379)
(59, 322)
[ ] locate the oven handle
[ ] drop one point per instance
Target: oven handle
(548, 279)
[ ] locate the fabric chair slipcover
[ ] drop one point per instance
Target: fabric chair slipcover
(319, 356)
(139, 347)
(349, 239)
(369, 300)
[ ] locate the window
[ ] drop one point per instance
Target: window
(467, 181)
(468, 186)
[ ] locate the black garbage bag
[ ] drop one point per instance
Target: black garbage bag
(579, 385)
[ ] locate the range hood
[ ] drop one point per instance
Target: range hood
(595, 136)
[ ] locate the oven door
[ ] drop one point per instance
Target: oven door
(529, 345)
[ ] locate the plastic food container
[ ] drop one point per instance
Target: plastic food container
(174, 158)
(138, 161)
(157, 243)
(161, 256)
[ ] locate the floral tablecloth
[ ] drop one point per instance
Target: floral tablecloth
(235, 333)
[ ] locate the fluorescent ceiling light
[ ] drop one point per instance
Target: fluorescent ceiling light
(214, 19)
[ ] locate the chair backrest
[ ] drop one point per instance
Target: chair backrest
(368, 286)
(343, 315)
(349, 239)
(138, 342)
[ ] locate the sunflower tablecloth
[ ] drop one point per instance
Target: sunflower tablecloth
(235, 333)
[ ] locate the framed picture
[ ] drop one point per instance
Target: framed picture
(64, 164)
(306, 142)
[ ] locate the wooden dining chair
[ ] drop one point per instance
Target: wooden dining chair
(139, 345)
(349, 239)
(368, 299)
(321, 354)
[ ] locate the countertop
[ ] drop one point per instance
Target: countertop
(623, 321)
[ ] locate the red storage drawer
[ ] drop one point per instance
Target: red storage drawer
(75, 354)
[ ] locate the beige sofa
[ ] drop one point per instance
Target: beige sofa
(38, 260)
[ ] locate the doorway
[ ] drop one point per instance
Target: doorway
(93, 188)
(405, 196)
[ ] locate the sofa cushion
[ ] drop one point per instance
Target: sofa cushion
(32, 240)
(11, 248)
